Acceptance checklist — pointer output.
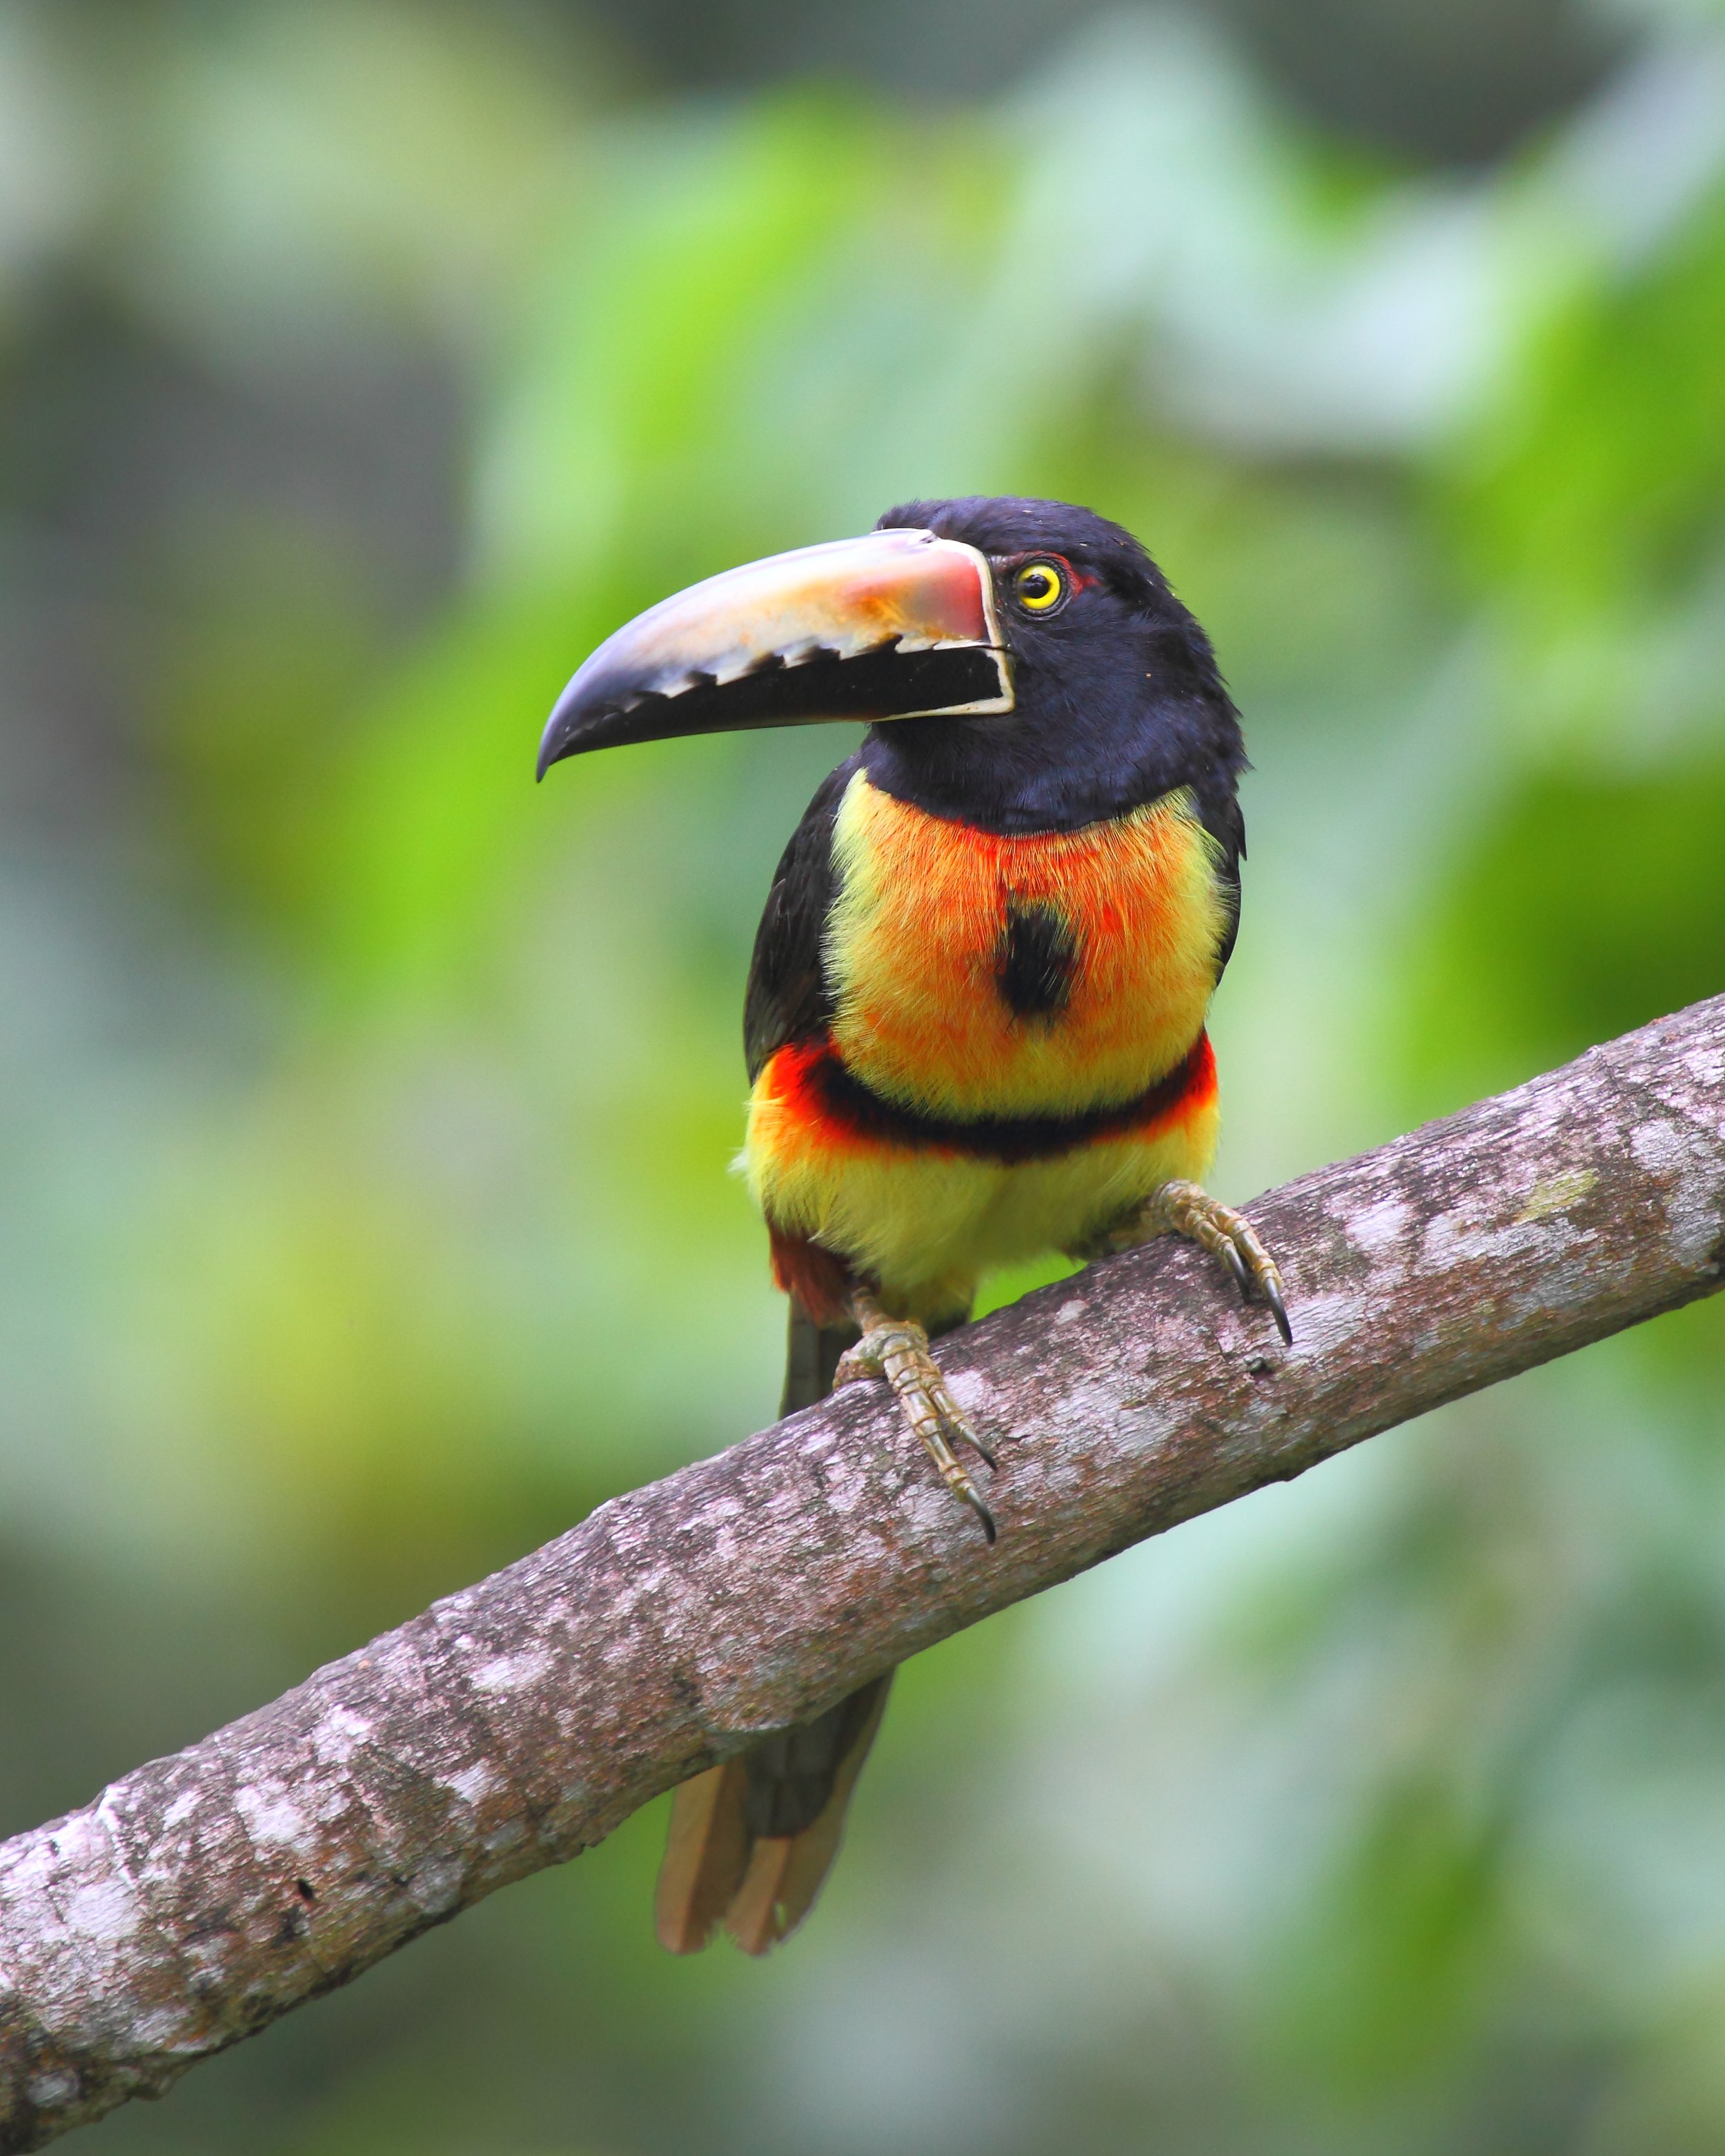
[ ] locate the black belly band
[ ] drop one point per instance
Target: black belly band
(1008, 1139)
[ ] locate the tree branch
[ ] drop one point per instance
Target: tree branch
(516, 1723)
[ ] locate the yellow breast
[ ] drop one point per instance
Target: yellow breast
(983, 974)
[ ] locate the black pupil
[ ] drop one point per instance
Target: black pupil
(1038, 583)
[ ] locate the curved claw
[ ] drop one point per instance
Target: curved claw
(973, 1497)
(961, 1429)
(1271, 1285)
(1236, 1265)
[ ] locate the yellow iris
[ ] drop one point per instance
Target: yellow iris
(1039, 586)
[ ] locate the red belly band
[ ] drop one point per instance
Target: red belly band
(810, 1082)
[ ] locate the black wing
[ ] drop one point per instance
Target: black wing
(1218, 812)
(787, 998)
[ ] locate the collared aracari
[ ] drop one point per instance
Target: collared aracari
(975, 1018)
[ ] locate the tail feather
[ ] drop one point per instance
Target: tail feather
(787, 1871)
(706, 1856)
(752, 1841)
(811, 1353)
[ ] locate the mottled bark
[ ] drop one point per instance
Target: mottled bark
(516, 1723)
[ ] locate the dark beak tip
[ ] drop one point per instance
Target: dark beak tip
(555, 743)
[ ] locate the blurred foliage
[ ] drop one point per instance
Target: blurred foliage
(367, 1217)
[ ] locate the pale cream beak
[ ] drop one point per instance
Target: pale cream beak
(895, 625)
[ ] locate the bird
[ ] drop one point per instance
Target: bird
(975, 1019)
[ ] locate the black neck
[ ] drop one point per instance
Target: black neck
(1022, 773)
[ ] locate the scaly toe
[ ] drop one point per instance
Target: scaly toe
(953, 1416)
(897, 1350)
(852, 1367)
(1190, 1211)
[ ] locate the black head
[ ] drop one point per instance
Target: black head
(1021, 664)
(1118, 697)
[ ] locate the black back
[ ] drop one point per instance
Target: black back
(787, 998)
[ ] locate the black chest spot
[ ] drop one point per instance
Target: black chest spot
(1037, 956)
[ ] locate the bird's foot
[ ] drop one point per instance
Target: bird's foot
(897, 1348)
(1182, 1209)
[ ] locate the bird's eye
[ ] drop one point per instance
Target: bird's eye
(1039, 587)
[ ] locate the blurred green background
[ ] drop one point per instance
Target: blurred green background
(364, 1211)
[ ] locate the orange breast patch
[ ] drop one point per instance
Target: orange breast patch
(978, 974)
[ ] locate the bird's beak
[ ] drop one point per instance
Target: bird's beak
(896, 625)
